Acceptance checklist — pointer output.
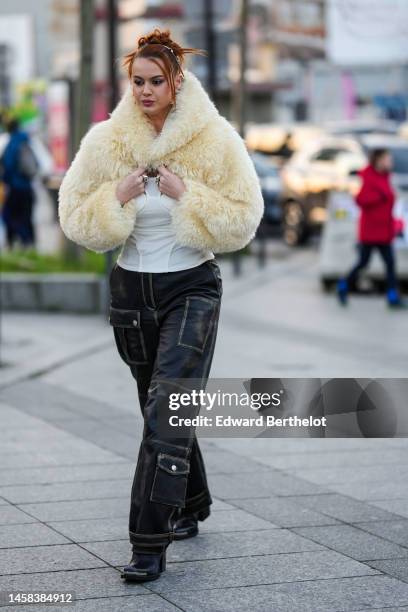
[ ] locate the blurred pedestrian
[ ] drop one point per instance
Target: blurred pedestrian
(171, 180)
(377, 226)
(19, 167)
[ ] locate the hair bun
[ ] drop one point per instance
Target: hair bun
(161, 37)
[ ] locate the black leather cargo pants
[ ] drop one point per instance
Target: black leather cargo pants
(165, 327)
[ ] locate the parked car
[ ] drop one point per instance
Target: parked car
(271, 186)
(280, 140)
(309, 176)
(330, 164)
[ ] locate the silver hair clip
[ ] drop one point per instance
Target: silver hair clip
(174, 55)
(167, 47)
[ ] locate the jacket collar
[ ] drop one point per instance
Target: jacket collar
(194, 110)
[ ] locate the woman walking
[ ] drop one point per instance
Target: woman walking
(376, 224)
(168, 179)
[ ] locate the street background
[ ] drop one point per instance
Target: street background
(297, 524)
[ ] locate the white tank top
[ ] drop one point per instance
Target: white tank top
(152, 246)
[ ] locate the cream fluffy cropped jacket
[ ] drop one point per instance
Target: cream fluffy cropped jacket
(222, 205)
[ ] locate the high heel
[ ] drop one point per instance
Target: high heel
(187, 526)
(144, 566)
(203, 514)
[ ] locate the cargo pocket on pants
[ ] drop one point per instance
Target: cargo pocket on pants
(170, 480)
(196, 325)
(129, 335)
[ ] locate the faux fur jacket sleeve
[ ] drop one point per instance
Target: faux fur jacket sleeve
(89, 212)
(228, 206)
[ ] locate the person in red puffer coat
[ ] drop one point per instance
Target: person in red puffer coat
(377, 226)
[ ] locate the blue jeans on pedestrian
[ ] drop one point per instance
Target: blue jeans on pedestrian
(365, 251)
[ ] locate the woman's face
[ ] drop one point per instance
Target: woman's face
(149, 84)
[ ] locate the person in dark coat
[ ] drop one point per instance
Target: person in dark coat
(376, 228)
(19, 200)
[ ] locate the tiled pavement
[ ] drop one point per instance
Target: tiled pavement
(297, 524)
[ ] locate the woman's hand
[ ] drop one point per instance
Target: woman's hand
(131, 186)
(171, 184)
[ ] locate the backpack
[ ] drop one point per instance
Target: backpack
(28, 165)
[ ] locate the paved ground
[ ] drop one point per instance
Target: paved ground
(297, 525)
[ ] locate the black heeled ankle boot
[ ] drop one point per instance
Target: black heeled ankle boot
(185, 526)
(144, 566)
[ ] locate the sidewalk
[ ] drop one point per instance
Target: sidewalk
(296, 525)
